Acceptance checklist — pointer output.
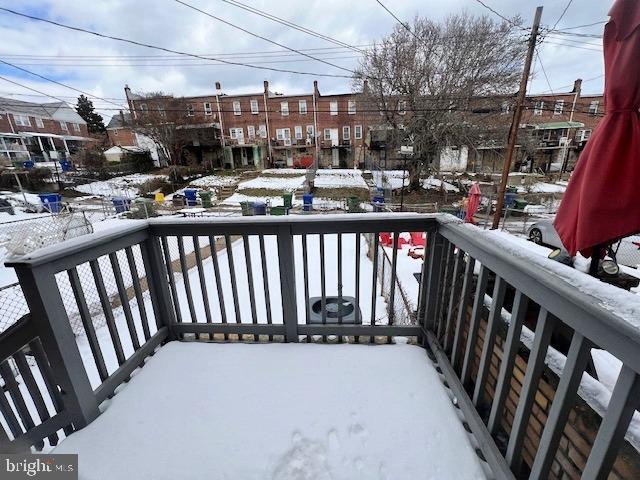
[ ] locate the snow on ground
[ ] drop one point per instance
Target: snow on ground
(214, 181)
(406, 266)
(125, 186)
(288, 183)
(339, 178)
(542, 187)
(283, 171)
(392, 179)
(238, 197)
(282, 412)
(434, 183)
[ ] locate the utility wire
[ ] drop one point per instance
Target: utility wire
(291, 24)
(581, 26)
(562, 15)
(544, 71)
(28, 88)
(164, 49)
(226, 22)
(509, 21)
(547, 42)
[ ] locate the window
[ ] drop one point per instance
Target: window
(283, 133)
(144, 108)
(298, 132)
(546, 135)
(284, 109)
(357, 132)
(115, 132)
(302, 107)
(402, 107)
(251, 131)
(63, 126)
(236, 133)
(559, 107)
(538, 107)
(254, 106)
(583, 135)
(161, 111)
(327, 134)
(351, 107)
(310, 131)
(593, 107)
(207, 108)
(333, 108)
(262, 131)
(236, 108)
(190, 111)
(506, 108)
(76, 127)
(39, 123)
(22, 120)
(346, 133)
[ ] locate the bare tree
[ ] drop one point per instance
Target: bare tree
(454, 80)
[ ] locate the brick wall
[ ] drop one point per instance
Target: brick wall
(122, 136)
(580, 430)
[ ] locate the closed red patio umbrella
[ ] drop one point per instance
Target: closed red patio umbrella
(474, 203)
(601, 203)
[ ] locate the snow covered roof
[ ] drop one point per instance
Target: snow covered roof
(54, 110)
(117, 120)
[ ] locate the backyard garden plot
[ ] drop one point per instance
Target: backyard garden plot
(126, 186)
(339, 178)
(215, 181)
(266, 188)
(437, 184)
(393, 179)
(282, 412)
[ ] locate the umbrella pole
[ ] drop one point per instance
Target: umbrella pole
(595, 260)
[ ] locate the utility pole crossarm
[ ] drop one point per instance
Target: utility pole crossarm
(517, 115)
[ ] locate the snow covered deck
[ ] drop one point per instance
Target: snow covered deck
(279, 411)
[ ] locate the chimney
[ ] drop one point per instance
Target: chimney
(127, 91)
(577, 86)
(365, 86)
(316, 92)
(122, 118)
(218, 87)
(266, 88)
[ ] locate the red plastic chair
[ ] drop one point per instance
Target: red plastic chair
(417, 239)
(385, 239)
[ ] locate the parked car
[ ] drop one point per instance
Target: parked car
(627, 253)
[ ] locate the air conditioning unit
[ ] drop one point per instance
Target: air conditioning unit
(287, 142)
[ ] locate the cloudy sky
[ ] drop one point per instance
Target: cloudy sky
(102, 66)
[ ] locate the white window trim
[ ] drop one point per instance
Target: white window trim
(209, 110)
(402, 107)
(237, 108)
(356, 129)
(538, 107)
(347, 130)
(19, 120)
(283, 133)
(310, 130)
(327, 134)
(284, 109)
(251, 131)
(593, 107)
(302, 107)
(190, 110)
(351, 109)
(39, 122)
(298, 132)
(76, 127)
(262, 131)
(254, 103)
(64, 126)
(333, 107)
(558, 108)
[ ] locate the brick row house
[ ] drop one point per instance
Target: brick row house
(266, 129)
(41, 132)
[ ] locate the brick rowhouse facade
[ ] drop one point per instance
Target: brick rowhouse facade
(266, 129)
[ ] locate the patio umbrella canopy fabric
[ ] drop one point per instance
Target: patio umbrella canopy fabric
(474, 203)
(601, 203)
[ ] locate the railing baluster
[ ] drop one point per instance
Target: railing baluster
(108, 313)
(624, 401)
(219, 288)
(465, 299)
(203, 285)
(474, 325)
(34, 391)
(234, 284)
(172, 279)
(265, 283)
(434, 281)
(511, 344)
(286, 264)
(9, 416)
(11, 385)
(87, 322)
(124, 300)
(493, 323)
(305, 274)
(340, 281)
(535, 365)
(455, 295)
(447, 262)
(392, 292)
(577, 358)
(357, 280)
(159, 276)
(135, 277)
(185, 278)
(252, 293)
(374, 286)
(323, 285)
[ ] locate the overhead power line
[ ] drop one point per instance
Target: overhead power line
(495, 12)
(29, 88)
(583, 26)
(547, 42)
(544, 71)
(562, 15)
(291, 24)
(164, 49)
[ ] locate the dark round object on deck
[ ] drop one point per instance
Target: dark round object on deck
(334, 308)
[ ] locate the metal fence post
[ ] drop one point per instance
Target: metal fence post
(156, 274)
(286, 262)
(52, 325)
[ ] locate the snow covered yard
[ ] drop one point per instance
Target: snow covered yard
(339, 178)
(125, 186)
(215, 181)
(282, 412)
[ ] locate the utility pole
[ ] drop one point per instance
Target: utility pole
(517, 115)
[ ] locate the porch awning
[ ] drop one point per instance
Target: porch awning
(558, 125)
(77, 138)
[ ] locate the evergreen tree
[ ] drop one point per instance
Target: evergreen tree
(86, 110)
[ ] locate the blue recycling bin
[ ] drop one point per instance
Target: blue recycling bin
(51, 202)
(191, 194)
(121, 204)
(510, 199)
(27, 164)
(259, 208)
(65, 165)
(307, 202)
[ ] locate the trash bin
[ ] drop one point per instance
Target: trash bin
(520, 203)
(159, 197)
(279, 210)
(27, 164)
(288, 199)
(121, 204)
(247, 208)
(177, 200)
(353, 204)
(259, 208)
(307, 201)
(51, 202)
(205, 197)
(191, 194)
(145, 208)
(65, 165)
(509, 199)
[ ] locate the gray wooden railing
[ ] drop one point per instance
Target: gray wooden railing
(179, 297)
